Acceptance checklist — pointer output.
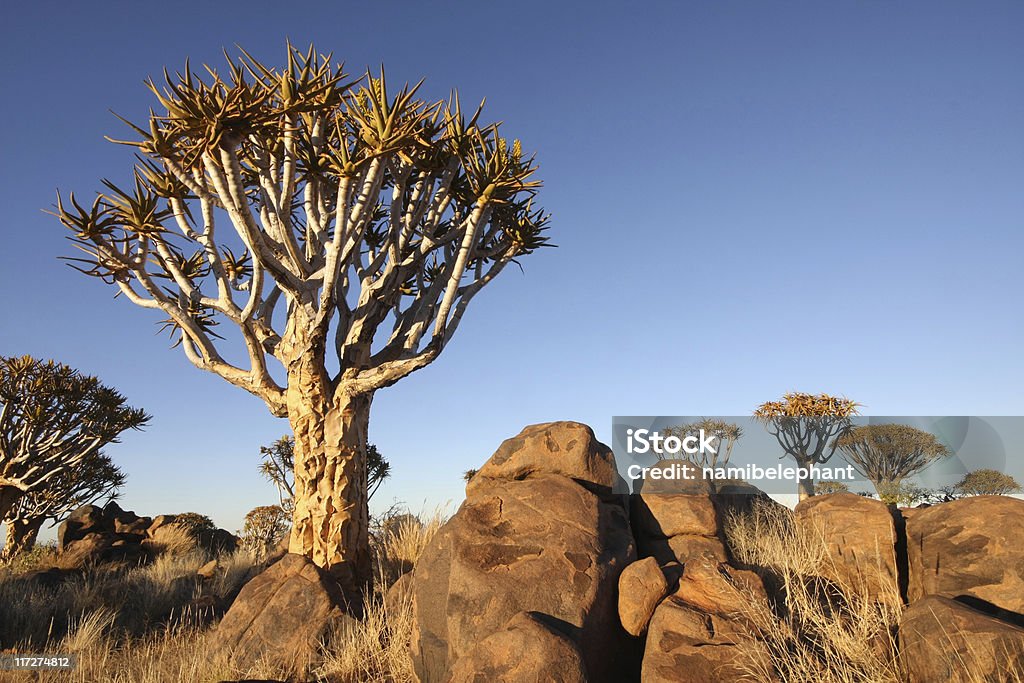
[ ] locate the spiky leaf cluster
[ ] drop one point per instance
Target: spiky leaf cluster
(806, 425)
(53, 417)
(345, 198)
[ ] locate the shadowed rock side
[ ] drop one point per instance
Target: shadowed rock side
(528, 649)
(944, 640)
(549, 539)
(281, 615)
(860, 536)
(973, 547)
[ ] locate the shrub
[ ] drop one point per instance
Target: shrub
(822, 488)
(194, 523)
(902, 494)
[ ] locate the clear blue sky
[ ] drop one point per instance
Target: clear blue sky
(749, 198)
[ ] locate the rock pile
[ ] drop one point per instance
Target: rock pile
(542, 575)
(92, 535)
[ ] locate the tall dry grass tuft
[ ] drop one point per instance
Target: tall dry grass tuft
(818, 630)
(376, 648)
(399, 542)
(373, 649)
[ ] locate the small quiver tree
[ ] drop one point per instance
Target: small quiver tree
(806, 427)
(337, 227)
(96, 479)
(278, 467)
(264, 526)
(886, 454)
(52, 419)
(726, 433)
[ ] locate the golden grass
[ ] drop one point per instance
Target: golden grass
(135, 625)
(819, 631)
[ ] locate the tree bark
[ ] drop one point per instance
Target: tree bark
(805, 485)
(21, 536)
(330, 523)
(9, 495)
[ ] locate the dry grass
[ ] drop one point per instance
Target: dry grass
(818, 631)
(134, 625)
(376, 648)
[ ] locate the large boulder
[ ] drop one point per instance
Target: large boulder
(700, 634)
(217, 541)
(91, 534)
(281, 616)
(969, 547)
(528, 649)
(544, 540)
(860, 535)
(125, 523)
(665, 515)
(944, 640)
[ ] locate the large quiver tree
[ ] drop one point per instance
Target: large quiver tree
(359, 226)
(52, 419)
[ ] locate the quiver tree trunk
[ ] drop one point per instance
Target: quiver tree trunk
(805, 485)
(21, 536)
(330, 523)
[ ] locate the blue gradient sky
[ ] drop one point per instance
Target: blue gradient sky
(748, 198)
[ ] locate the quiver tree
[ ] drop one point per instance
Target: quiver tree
(886, 454)
(987, 482)
(337, 227)
(95, 479)
(264, 526)
(727, 435)
(278, 467)
(806, 427)
(52, 419)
